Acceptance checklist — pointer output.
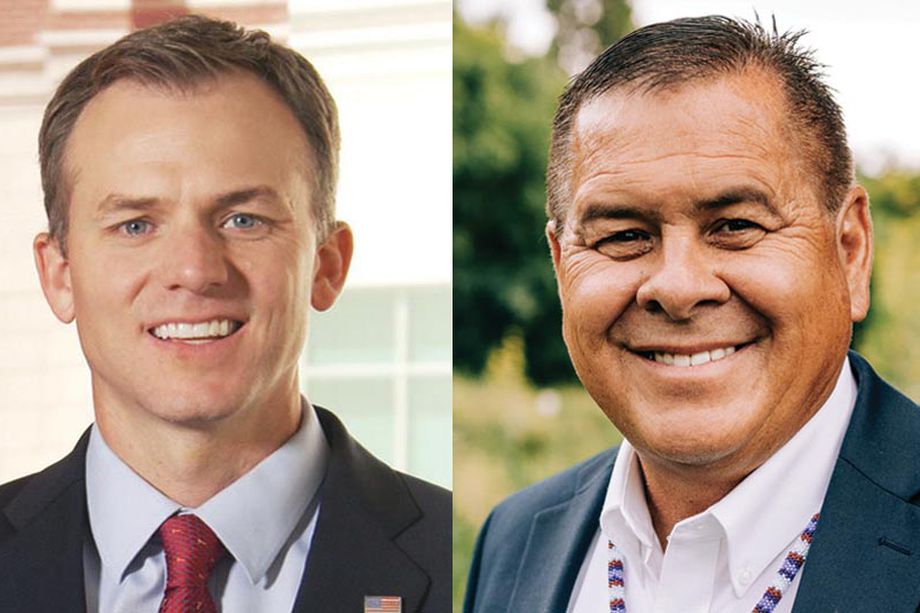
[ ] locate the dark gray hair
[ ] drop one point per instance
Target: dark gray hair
(669, 54)
(182, 54)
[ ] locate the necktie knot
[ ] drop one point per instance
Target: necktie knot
(192, 550)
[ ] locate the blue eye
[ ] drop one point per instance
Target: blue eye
(242, 221)
(135, 227)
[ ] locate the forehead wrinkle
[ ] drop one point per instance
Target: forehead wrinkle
(616, 175)
(606, 153)
(614, 150)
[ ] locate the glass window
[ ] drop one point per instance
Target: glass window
(430, 428)
(365, 406)
(358, 329)
(429, 338)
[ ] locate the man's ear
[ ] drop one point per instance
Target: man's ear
(54, 275)
(555, 251)
(854, 248)
(333, 258)
(554, 248)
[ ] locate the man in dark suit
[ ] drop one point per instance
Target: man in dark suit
(712, 251)
(189, 173)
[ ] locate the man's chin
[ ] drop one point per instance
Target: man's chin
(682, 454)
(195, 409)
(694, 436)
(197, 416)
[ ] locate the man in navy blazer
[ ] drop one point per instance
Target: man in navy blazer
(712, 251)
(189, 173)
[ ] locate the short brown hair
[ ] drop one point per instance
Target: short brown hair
(669, 54)
(182, 54)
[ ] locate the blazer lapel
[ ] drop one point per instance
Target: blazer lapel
(558, 542)
(364, 506)
(866, 550)
(41, 561)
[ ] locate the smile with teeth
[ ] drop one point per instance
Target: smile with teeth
(203, 332)
(686, 360)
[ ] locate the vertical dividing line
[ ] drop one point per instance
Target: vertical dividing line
(401, 382)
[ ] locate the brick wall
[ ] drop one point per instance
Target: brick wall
(21, 21)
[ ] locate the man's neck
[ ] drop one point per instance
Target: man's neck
(673, 496)
(190, 464)
(675, 491)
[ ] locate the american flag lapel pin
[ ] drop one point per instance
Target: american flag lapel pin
(383, 604)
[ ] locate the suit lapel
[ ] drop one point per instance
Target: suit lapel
(41, 561)
(558, 542)
(866, 550)
(364, 506)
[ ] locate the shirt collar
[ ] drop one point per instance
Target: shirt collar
(625, 518)
(125, 510)
(809, 456)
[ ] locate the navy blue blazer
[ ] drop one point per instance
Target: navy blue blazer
(865, 556)
(379, 532)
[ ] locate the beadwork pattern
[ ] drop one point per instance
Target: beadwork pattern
(792, 563)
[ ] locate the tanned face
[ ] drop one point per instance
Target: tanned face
(707, 293)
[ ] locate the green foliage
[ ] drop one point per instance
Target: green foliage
(508, 435)
(502, 276)
(503, 280)
(890, 335)
(586, 27)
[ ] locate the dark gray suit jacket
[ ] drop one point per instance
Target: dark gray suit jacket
(379, 532)
(865, 556)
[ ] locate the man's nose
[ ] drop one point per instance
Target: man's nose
(193, 258)
(682, 279)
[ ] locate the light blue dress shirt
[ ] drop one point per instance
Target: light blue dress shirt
(265, 519)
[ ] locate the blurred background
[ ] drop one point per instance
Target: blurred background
(381, 358)
(519, 413)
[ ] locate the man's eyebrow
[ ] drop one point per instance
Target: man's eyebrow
(241, 196)
(115, 203)
(729, 197)
(737, 195)
(600, 210)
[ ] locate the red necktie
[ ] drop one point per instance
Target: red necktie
(192, 550)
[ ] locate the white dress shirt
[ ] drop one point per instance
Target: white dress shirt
(265, 519)
(723, 559)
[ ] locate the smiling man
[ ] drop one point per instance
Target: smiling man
(712, 252)
(189, 174)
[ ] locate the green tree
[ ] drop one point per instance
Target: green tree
(502, 277)
(503, 281)
(584, 28)
(890, 335)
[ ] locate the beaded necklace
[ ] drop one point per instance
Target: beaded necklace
(787, 571)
